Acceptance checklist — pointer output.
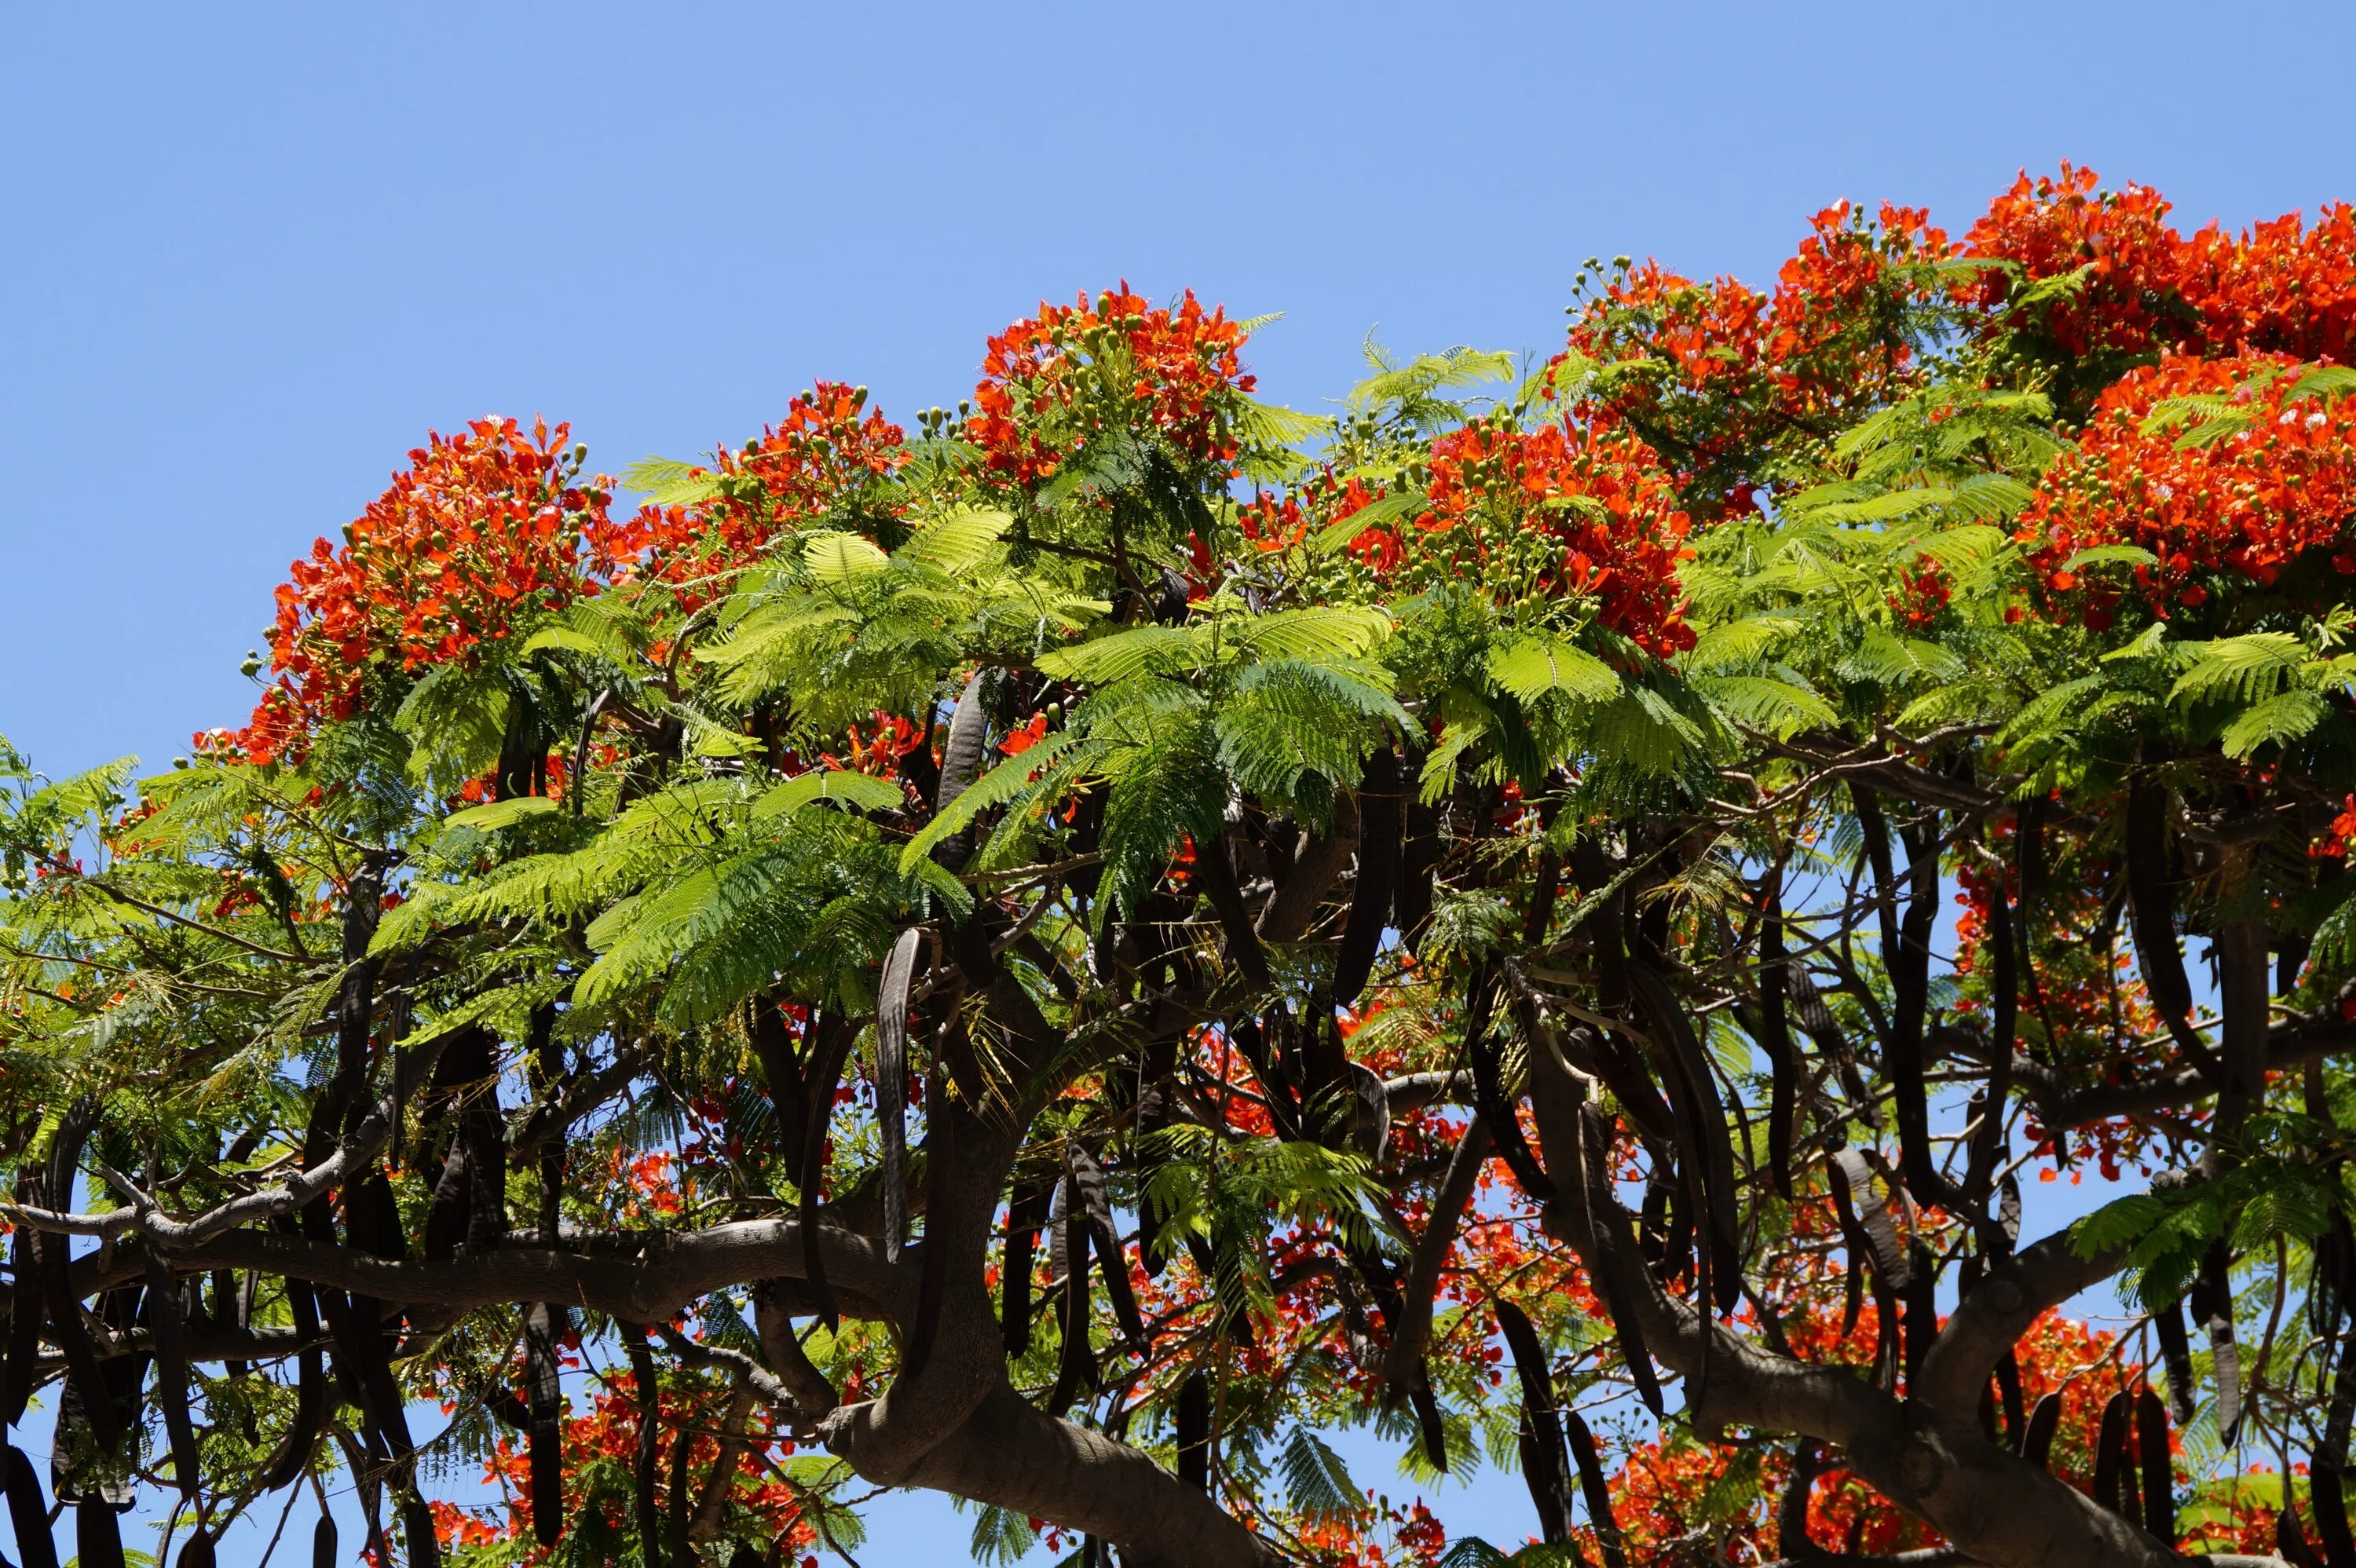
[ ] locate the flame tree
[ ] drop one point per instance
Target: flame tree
(1055, 958)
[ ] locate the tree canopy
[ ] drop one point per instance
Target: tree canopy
(1055, 953)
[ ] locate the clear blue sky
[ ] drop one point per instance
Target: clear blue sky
(254, 252)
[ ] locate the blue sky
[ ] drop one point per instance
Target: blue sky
(255, 253)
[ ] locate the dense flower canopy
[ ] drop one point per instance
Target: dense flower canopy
(1564, 914)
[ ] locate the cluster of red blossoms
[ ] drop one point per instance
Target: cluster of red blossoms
(1072, 373)
(2279, 287)
(1562, 512)
(830, 446)
(485, 529)
(2280, 485)
(1734, 370)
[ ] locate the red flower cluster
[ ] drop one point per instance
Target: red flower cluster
(1071, 373)
(485, 531)
(2251, 504)
(2279, 287)
(820, 456)
(1560, 511)
(1738, 370)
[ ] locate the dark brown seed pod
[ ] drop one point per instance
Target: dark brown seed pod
(1775, 1040)
(29, 1512)
(830, 1050)
(1104, 1236)
(1596, 1489)
(292, 1454)
(1194, 1423)
(2158, 1473)
(892, 1083)
(543, 1330)
(1617, 1271)
(1379, 829)
(172, 1371)
(2043, 1422)
(1024, 1215)
(2110, 1452)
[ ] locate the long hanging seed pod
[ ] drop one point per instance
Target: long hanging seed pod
(940, 1196)
(198, 1551)
(1379, 829)
(1921, 1309)
(2176, 1354)
(1617, 1271)
(287, 1463)
(1076, 1367)
(645, 1451)
(2151, 920)
(2213, 1307)
(1194, 1423)
(1488, 1089)
(1775, 1039)
(98, 1533)
(1596, 1489)
(20, 1368)
(2110, 1453)
(2159, 1474)
(2008, 1383)
(2043, 1423)
(1427, 1422)
(1708, 1154)
(172, 1371)
(63, 1306)
(1095, 1205)
(543, 1327)
(1418, 859)
(961, 752)
(830, 1049)
(1024, 1215)
(1546, 1464)
(323, 1543)
(29, 1512)
(892, 1083)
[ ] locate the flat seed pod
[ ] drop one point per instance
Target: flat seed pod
(28, 1512)
(98, 1534)
(323, 1543)
(1024, 1215)
(1596, 1489)
(830, 1050)
(1616, 1274)
(961, 752)
(292, 1454)
(2176, 1354)
(892, 1083)
(172, 1371)
(2043, 1422)
(1194, 1423)
(2158, 1473)
(1089, 1182)
(1775, 1040)
(543, 1328)
(1379, 830)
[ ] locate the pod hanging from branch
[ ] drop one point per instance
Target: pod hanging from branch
(1104, 1236)
(2110, 1454)
(2158, 1472)
(1075, 1365)
(940, 1199)
(1432, 1429)
(29, 1512)
(2151, 920)
(172, 1371)
(1618, 1273)
(543, 1328)
(1379, 803)
(1775, 1039)
(830, 1049)
(1194, 1423)
(98, 1533)
(2211, 1299)
(21, 1368)
(1488, 1088)
(892, 1083)
(292, 1454)
(2043, 1423)
(1596, 1489)
(1025, 1214)
(1546, 1464)
(323, 1543)
(962, 751)
(2176, 1354)
(1707, 1154)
